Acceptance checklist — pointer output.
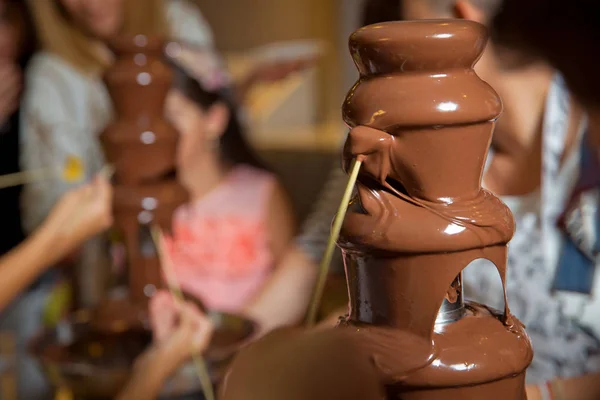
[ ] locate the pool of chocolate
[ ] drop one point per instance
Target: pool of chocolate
(96, 364)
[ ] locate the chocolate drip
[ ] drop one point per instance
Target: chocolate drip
(421, 122)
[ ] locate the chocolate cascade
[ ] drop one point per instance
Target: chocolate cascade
(142, 146)
(421, 122)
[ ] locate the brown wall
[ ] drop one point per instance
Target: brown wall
(243, 24)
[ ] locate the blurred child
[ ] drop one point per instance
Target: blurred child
(238, 222)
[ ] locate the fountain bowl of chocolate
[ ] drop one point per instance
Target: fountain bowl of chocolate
(95, 364)
(92, 364)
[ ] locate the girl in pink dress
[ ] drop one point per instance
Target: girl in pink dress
(226, 241)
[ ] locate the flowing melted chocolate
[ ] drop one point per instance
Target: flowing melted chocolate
(421, 122)
(142, 146)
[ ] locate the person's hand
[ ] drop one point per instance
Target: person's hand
(10, 89)
(180, 329)
(80, 214)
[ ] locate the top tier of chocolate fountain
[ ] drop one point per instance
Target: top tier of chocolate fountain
(142, 146)
(421, 122)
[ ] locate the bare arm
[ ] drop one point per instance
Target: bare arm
(285, 298)
(79, 214)
(281, 300)
(281, 222)
(149, 375)
(24, 263)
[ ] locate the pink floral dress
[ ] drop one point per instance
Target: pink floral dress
(220, 246)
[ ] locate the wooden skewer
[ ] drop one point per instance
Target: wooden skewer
(107, 171)
(315, 302)
(23, 177)
(36, 175)
(177, 294)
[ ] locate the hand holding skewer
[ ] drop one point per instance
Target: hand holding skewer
(177, 296)
(315, 302)
(72, 171)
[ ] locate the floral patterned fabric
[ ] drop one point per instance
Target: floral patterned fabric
(220, 246)
(565, 343)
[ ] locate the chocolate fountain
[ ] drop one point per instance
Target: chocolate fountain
(142, 146)
(421, 123)
(92, 355)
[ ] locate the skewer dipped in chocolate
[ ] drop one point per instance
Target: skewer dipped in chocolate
(421, 121)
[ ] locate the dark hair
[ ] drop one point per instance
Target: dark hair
(378, 11)
(233, 145)
(17, 14)
(564, 33)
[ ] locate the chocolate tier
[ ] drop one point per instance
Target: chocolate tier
(421, 122)
(140, 143)
(142, 146)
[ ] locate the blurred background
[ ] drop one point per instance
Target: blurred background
(296, 123)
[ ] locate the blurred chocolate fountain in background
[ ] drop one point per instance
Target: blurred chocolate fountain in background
(92, 354)
(142, 146)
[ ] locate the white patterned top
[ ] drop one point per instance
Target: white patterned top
(564, 327)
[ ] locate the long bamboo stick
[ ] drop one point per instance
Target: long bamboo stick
(177, 294)
(315, 302)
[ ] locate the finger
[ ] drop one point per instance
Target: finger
(186, 316)
(160, 301)
(163, 316)
(192, 318)
(200, 325)
(102, 188)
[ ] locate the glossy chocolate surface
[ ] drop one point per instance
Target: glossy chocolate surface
(139, 143)
(421, 122)
(142, 145)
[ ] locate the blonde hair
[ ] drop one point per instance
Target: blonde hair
(57, 34)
